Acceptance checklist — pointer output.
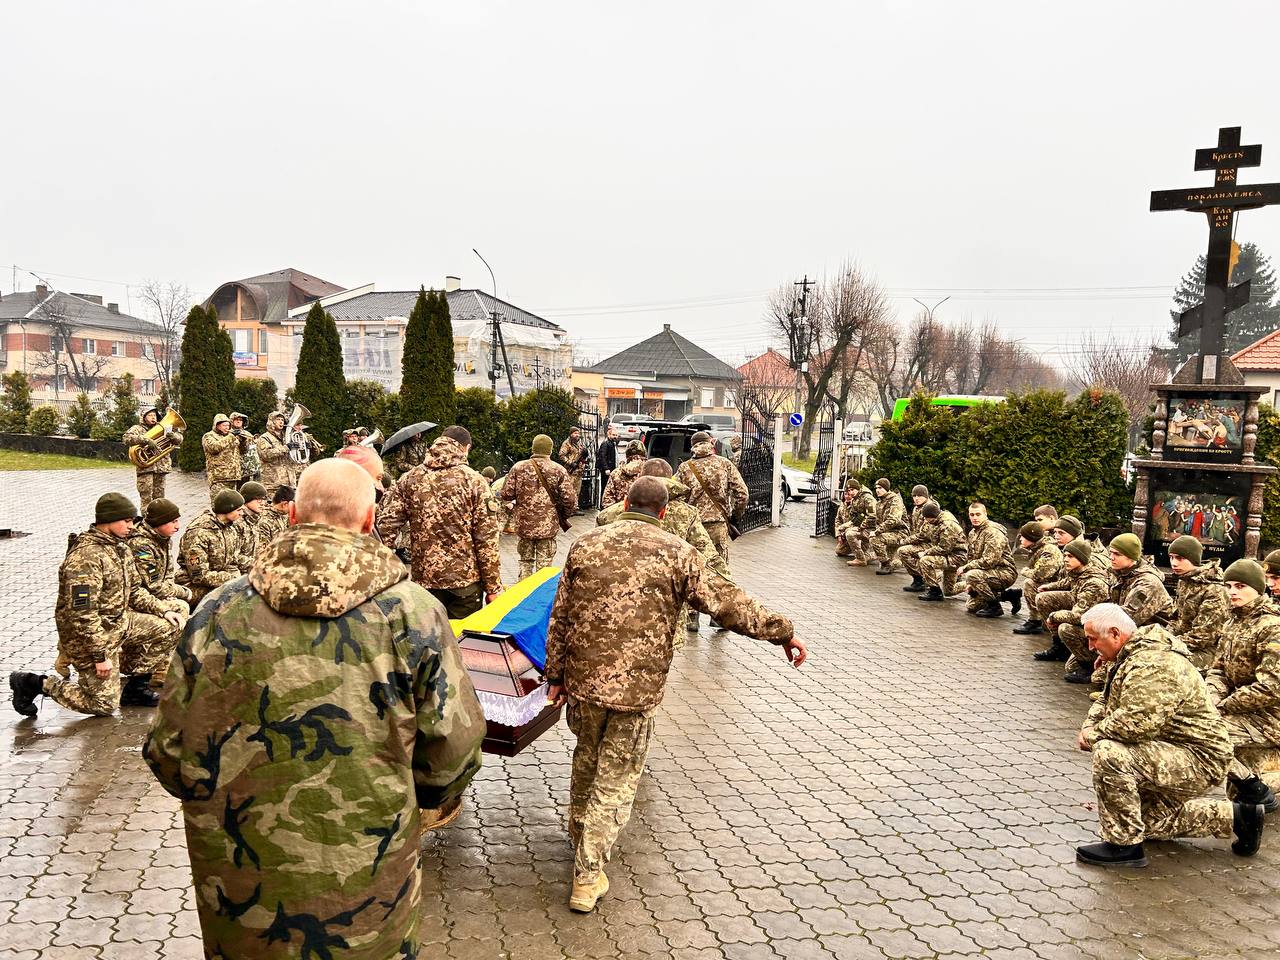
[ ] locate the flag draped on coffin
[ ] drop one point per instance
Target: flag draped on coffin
(523, 611)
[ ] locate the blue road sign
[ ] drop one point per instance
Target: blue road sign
(797, 419)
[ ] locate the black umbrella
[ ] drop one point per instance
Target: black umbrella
(404, 435)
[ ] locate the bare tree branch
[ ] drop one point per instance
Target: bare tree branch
(60, 360)
(1128, 367)
(167, 305)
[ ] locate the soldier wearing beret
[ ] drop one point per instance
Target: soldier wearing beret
(210, 553)
(1201, 605)
(109, 625)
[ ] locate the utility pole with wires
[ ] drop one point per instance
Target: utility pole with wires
(800, 349)
(496, 342)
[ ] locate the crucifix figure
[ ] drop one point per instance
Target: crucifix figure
(1219, 204)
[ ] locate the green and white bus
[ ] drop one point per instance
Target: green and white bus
(957, 402)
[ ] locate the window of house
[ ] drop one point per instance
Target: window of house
(729, 400)
(707, 398)
(147, 387)
(148, 351)
(262, 342)
(88, 346)
(57, 344)
(242, 341)
(117, 348)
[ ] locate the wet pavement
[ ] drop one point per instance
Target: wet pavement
(913, 791)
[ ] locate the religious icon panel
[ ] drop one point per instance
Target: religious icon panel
(1206, 427)
(1212, 507)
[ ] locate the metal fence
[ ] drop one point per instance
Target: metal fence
(824, 516)
(756, 466)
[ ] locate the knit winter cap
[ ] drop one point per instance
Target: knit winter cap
(1272, 562)
(1127, 544)
(162, 511)
(930, 510)
(853, 485)
(700, 437)
(920, 490)
(283, 495)
(489, 473)
(1188, 548)
(1069, 524)
(542, 445)
(1080, 550)
(884, 484)
(253, 490)
(636, 448)
(228, 501)
(112, 507)
(1031, 531)
(1246, 571)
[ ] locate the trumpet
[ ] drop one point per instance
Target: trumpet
(159, 441)
(373, 439)
(296, 439)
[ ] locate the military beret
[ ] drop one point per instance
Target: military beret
(112, 507)
(253, 490)
(227, 501)
(1031, 531)
(1246, 571)
(636, 449)
(541, 445)
(930, 511)
(1188, 548)
(161, 511)
(884, 484)
(1127, 544)
(700, 437)
(1272, 562)
(1080, 550)
(283, 495)
(1069, 524)
(919, 490)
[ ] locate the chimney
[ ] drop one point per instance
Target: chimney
(452, 283)
(41, 290)
(666, 327)
(113, 308)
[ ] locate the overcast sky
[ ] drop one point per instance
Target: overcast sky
(625, 166)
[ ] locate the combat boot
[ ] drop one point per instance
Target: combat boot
(584, 897)
(1058, 651)
(26, 687)
(991, 609)
(437, 818)
(885, 569)
(1254, 791)
(933, 593)
(1107, 854)
(137, 692)
(1246, 823)
(857, 563)
(915, 586)
(1083, 674)
(1013, 598)
(1029, 628)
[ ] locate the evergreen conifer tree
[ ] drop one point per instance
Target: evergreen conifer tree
(444, 395)
(207, 376)
(15, 405)
(1251, 322)
(426, 385)
(320, 385)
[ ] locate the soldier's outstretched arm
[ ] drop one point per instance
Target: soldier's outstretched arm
(735, 610)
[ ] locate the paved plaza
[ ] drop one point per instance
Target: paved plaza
(913, 791)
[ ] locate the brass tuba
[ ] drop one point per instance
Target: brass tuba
(373, 439)
(159, 442)
(295, 435)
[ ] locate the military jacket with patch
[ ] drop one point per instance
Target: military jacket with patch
(720, 480)
(846, 525)
(209, 554)
(221, 456)
(137, 434)
(1245, 679)
(681, 520)
(533, 513)
(620, 480)
(1140, 590)
(891, 513)
(1088, 588)
(989, 550)
(97, 583)
(1044, 565)
(154, 564)
(452, 520)
(621, 592)
(570, 456)
(311, 709)
(1154, 693)
(918, 534)
(1202, 610)
(273, 454)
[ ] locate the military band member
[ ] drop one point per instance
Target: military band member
(273, 454)
(210, 553)
(1201, 605)
(150, 479)
(250, 462)
(537, 491)
(573, 457)
(221, 456)
(891, 525)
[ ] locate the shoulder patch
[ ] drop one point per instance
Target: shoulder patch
(81, 596)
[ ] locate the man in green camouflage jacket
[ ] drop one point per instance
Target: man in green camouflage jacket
(221, 456)
(1200, 602)
(150, 543)
(313, 707)
(916, 541)
(716, 489)
(989, 572)
(150, 479)
(1158, 747)
(891, 525)
(278, 470)
(247, 525)
(1082, 586)
(211, 551)
(1044, 565)
(274, 520)
(615, 491)
(611, 660)
(946, 553)
(109, 625)
(862, 512)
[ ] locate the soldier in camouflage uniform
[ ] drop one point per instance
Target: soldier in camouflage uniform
(150, 479)
(1245, 682)
(1082, 586)
(1044, 565)
(1137, 586)
(716, 489)
(945, 553)
(1271, 572)
(989, 572)
(452, 519)
(862, 511)
(273, 455)
(611, 660)
(211, 551)
(109, 625)
(891, 525)
(247, 527)
(846, 526)
(274, 520)
(527, 491)
(615, 491)
(150, 543)
(572, 456)
(314, 706)
(221, 456)
(1200, 601)
(1158, 747)
(916, 541)
(250, 462)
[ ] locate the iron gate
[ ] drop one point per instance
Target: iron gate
(589, 423)
(755, 463)
(824, 515)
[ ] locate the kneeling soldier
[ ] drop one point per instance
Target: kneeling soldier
(1044, 565)
(1083, 586)
(917, 540)
(109, 626)
(989, 572)
(210, 553)
(249, 525)
(1201, 600)
(946, 553)
(274, 520)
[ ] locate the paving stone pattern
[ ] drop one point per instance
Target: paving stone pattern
(914, 791)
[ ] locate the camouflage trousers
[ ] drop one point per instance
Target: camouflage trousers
(910, 556)
(217, 486)
(885, 544)
(1051, 601)
(150, 487)
(1264, 761)
(939, 570)
(860, 544)
(1155, 791)
(535, 553)
(1030, 596)
(718, 531)
(148, 645)
(608, 761)
(985, 586)
(1250, 739)
(575, 485)
(844, 540)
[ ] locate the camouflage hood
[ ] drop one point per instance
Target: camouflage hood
(1152, 638)
(704, 449)
(1209, 572)
(445, 453)
(314, 570)
(675, 489)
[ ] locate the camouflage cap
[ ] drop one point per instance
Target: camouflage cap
(227, 501)
(1080, 550)
(220, 418)
(277, 415)
(1247, 572)
(146, 410)
(161, 511)
(1272, 562)
(239, 416)
(1188, 548)
(1069, 524)
(253, 490)
(1128, 545)
(636, 449)
(112, 507)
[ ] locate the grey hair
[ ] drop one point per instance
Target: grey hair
(1107, 616)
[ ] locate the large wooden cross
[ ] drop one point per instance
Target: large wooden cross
(1219, 204)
